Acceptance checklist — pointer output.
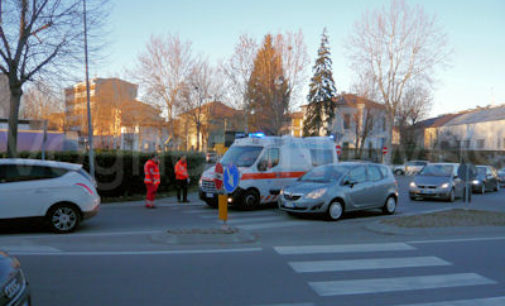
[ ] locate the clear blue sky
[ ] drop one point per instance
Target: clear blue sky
(476, 30)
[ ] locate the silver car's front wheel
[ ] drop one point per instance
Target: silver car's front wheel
(63, 218)
(390, 206)
(335, 210)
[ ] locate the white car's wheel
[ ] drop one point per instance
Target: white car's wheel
(335, 210)
(390, 206)
(63, 218)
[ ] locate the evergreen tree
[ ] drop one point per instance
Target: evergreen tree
(322, 90)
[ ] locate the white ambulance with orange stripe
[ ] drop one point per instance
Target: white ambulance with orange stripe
(267, 164)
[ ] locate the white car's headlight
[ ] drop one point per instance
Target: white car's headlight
(444, 185)
(413, 185)
(475, 182)
(316, 194)
(281, 192)
(200, 182)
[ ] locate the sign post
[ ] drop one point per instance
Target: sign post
(230, 180)
(339, 150)
(384, 152)
(467, 173)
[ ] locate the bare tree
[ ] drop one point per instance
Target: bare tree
(162, 71)
(396, 46)
(238, 69)
(40, 37)
(201, 88)
(295, 59)
(39, 102)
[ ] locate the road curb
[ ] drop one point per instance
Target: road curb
(378, 227)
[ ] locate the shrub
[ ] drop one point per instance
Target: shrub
(121, 173)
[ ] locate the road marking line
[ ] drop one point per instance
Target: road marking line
(267, 225)
(377, 285)
(457, 240)
(287, 304)
(492, 301)
(118, 253)
(366, 264)
(343, 248)
(240, 215)
(252, 220)
(86, 234)
(28, 248)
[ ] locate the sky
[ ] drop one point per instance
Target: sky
(475, 29)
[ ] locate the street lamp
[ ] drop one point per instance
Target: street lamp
(90, 126)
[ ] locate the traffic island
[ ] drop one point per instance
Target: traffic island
(453, 221)
(450, 218)
(204, 236)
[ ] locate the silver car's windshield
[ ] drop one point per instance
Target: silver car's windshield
(437, 170)
(324, 174)
(241, 156)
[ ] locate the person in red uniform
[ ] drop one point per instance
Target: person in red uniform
(182, 179)
(152, 179)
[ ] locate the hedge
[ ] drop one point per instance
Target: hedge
(121, 173)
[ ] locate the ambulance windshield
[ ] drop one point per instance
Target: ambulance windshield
(241, 156)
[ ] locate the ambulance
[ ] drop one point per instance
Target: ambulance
(266, 164)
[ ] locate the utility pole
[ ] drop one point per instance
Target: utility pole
(90, 126)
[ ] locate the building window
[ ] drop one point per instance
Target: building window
(467, 144)
(347, 121)
(480, 143)
(458, 144)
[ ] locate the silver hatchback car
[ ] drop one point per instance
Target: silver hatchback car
(338, 188)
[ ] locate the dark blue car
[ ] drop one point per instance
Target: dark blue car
(13, 284)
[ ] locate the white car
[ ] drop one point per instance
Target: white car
(61, 194)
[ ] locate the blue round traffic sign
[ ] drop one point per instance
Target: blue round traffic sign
(231, 178)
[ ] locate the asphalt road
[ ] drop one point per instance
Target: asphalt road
(117, 259)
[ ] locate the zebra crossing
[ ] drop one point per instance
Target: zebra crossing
(248, 220)
(360, 269)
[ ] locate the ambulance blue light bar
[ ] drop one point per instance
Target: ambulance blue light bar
(257, 135)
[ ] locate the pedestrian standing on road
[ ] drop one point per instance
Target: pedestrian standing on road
(151, 179)
(182, 179)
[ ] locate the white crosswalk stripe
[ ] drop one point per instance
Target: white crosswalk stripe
(366, 264)
(251, 220)
(492, 301)
(378, 285)
(353, 281)
(343, 248)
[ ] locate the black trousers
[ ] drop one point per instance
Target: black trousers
(182, 186)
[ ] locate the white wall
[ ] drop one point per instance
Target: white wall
(492, 132)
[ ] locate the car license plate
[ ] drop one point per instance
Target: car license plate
(210, 195)
(289, 205)
(427, 191)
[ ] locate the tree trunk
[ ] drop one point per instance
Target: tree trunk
(12, 138)
(198, 137)
(389, 139)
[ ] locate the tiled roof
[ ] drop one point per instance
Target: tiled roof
(480, 115)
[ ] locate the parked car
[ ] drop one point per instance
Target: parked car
(487, 179)
(437, 181)
(14, 286)
(409, 168)
(59, 194)
(338, 188)
(211, 157)
(501, 175)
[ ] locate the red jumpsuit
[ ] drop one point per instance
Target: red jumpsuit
(152, 181)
